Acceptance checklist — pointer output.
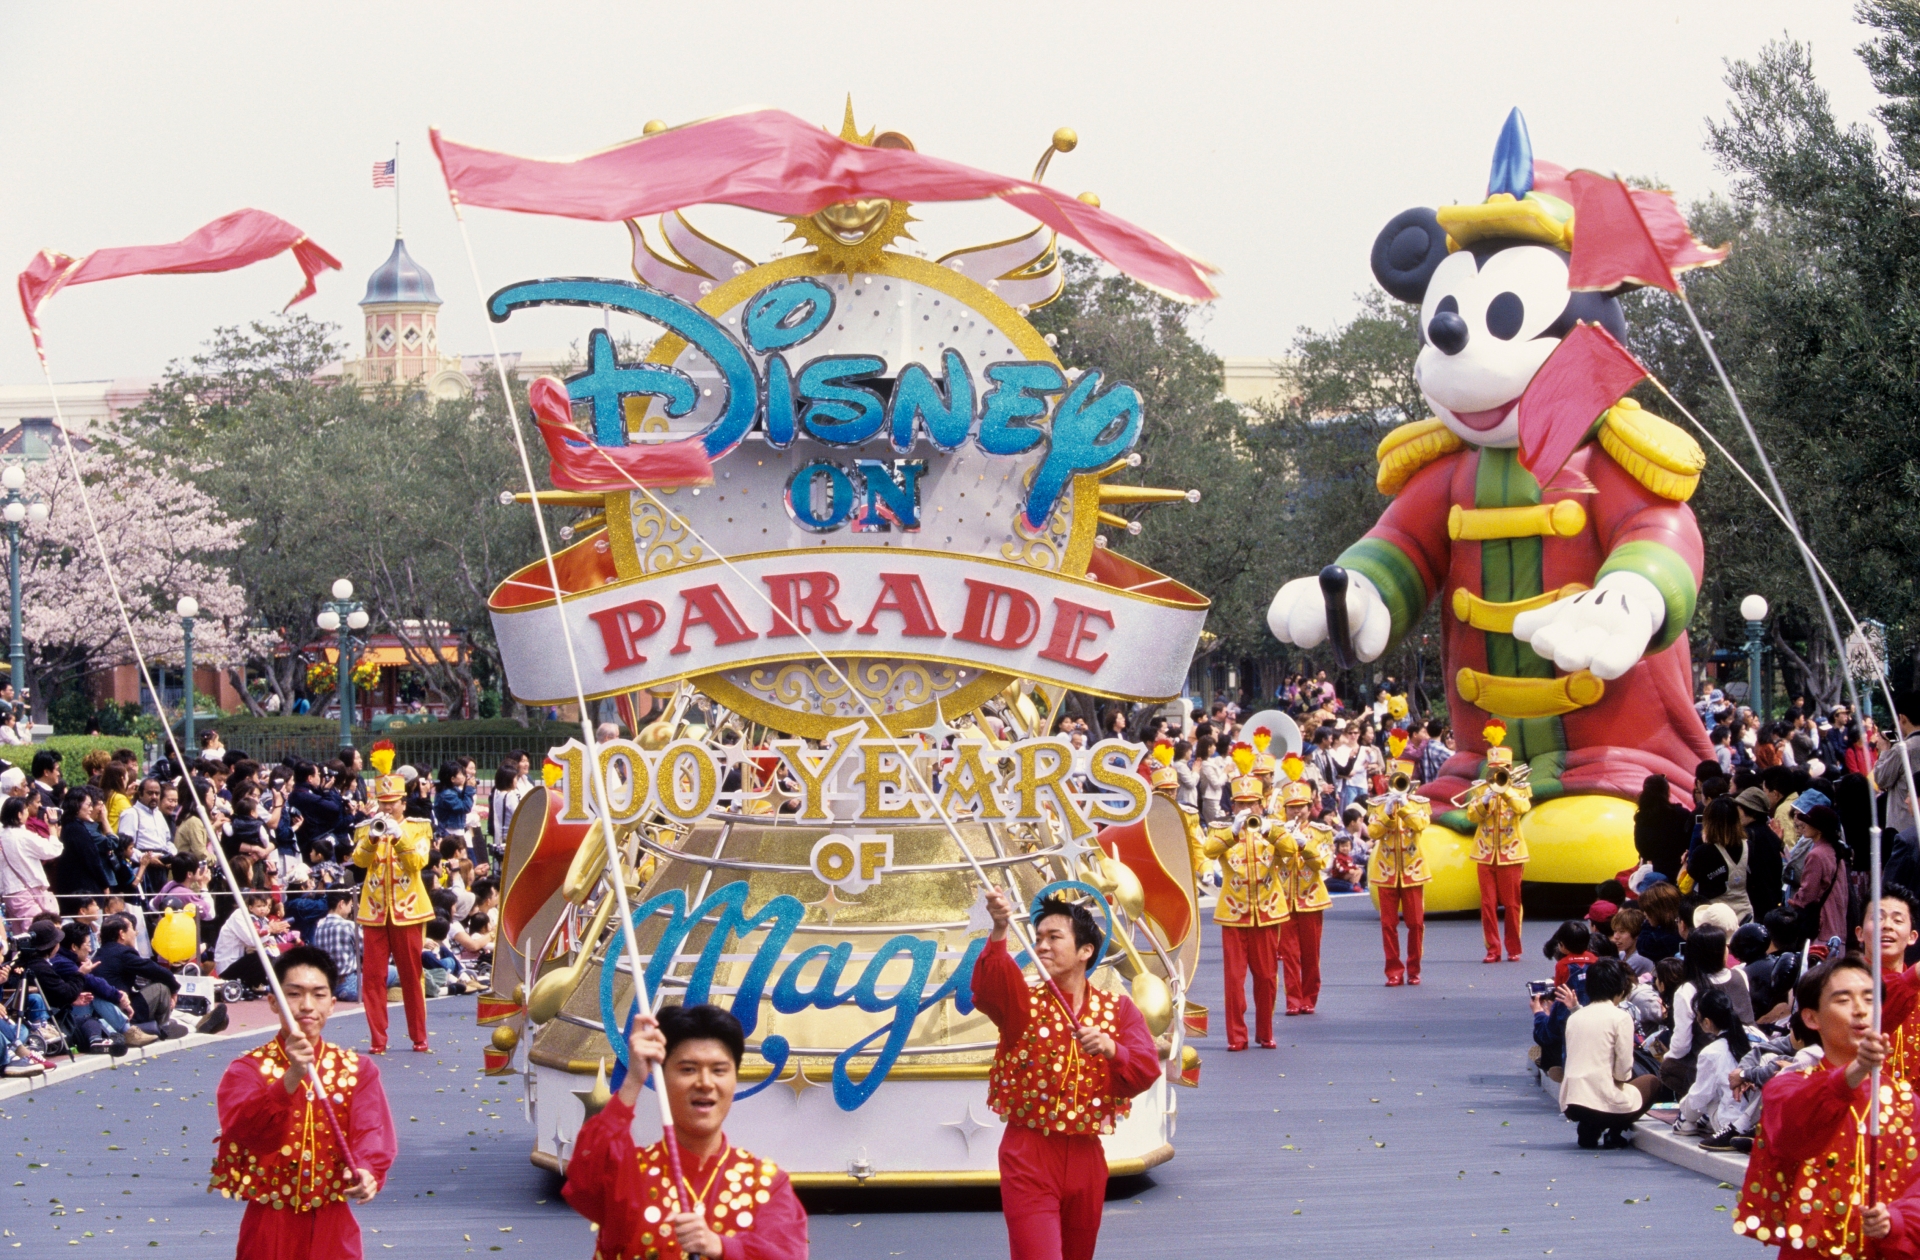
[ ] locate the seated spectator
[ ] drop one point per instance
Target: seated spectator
(1713, 914)
(1600, 1091)
(94, 1011)
(1660, 938)
(1570, 949)
(1797, 1047)
(1710, 1108)
(304, 905)
(338, 934)
(234, 958)
(147, 982)
(1748, 946)
(472, 941)
(443, 970)
(1345, 875)
(1771, 979)
(1705, 960)
(1624, 931)
(186, 888)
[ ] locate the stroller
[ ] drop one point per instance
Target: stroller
(26, 1007)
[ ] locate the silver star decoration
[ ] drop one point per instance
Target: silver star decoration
(1073, 848)
(831, 904)
(799, 1083)
(978, 920)
(937, 731)
(969, 1127)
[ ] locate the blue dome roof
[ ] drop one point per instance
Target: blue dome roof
(400, 279)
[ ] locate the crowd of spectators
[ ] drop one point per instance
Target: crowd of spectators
(111, 892)
(1676, 993)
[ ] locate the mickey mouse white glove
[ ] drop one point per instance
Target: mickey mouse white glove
(1298, 615)
(1605, 630)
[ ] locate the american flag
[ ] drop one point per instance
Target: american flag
(383, 173)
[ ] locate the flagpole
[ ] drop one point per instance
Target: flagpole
(396, 190)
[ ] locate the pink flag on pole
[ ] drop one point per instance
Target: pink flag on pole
(1625, 235)
(771, 161)
(227, 243)
(1587, 374)
(575, 463)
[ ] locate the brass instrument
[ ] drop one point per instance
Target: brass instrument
(1503, 777)
(1400, 785)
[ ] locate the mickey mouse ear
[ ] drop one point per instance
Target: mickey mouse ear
(1406, 252)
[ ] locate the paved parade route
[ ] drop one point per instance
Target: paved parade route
(1437, 1144)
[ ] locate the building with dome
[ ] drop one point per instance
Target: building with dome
(402, 331)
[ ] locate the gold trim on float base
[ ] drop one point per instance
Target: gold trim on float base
(887, 1180)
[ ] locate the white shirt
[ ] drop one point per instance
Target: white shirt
(21, 853)
(234, 943)
(1683, 998)
(147, 827)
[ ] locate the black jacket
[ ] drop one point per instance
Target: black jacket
(321, 812)
(125, 968)
(1661, 837)
(1767, 871)
(82, 866)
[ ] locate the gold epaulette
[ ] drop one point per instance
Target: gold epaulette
(1409, 448)
(1657, 453)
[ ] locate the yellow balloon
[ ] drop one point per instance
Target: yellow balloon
(176, 939)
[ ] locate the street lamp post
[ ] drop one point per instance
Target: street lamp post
(188, 608)
(17, 509)
(1754, 609)
(344, 614)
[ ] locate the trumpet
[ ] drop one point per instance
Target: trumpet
(1503, 778)
(1398, 786)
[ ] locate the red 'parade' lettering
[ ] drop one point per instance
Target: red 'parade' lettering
(902, 593)
(623, 628)
(984, 602)
(1070, 630)
(797, 594)
(709, 606)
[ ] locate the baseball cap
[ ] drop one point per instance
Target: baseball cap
(1809, 800)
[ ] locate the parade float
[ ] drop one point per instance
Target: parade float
(1544, 509)
(852, 638)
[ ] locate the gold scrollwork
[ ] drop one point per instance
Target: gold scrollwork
(662, 543)
(1043, 549)
(897, 684)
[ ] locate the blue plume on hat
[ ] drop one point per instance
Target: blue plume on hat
(1512, 159)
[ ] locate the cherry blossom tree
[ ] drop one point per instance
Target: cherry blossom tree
(164, 539)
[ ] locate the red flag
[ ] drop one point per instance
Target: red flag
(1587, 374)
(1627, 235)
(229, 242)
(577, 464)
(771, 161)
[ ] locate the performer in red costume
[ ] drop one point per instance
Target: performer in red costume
(276, 1147)
(1807, 1185)
(747, 1208)
(1058, 1087)
(393, 849)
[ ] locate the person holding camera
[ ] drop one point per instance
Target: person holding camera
(1599, 1090)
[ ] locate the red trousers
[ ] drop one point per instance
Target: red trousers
(1396, 903)
(1501, 884)
(268, 1233)
(1300, 958)
(402, 944)
(1258, 948)
(1051, 1189)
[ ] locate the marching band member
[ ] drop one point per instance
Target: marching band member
(1057, 1087)
(1250, 911)
(1304, 849)
(393, 849)
(1165, 781)
(1398, 871)
(746, 1206)
(276, 1148)
(1494, 806)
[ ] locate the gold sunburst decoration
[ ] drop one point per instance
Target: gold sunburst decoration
(850, 234)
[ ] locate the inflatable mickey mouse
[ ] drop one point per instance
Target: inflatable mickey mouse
(1565, 606)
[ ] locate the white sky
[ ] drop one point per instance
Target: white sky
(1273, 138)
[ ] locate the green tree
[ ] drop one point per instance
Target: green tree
(391, 489)
(1816, 315)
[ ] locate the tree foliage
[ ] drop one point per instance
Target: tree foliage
(396, 491)
(1816, 315)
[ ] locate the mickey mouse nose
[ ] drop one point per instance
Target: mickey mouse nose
(1447, 331)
